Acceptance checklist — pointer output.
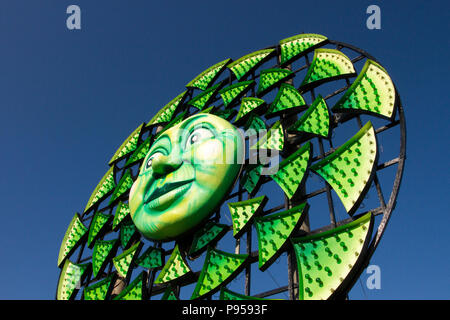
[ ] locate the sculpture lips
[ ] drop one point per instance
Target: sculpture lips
(166, 188)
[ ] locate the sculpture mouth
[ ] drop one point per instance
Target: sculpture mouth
(162, 197)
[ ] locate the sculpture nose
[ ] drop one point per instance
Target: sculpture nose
(163, 165)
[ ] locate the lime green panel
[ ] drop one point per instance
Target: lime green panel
(231, 93)
(74, 233)
(140, 152)
(128, 146)
(372, 92)
(106, 185)
(272, 140)
(127, 231)
(326, 65)
(69, 279)
(123, 261)
(325, 260)
(287, 97)
(98, 223)
(219, 268)
(135, 290)
(211, 232)
(151, 258)
(204, 79)
(204, 97)
(271, 77)
(251, 178)
(122, 211)
(248, 105)
(226, 294)
(101, 254)
(293, 47)
(123, 186)
(274, 231)
(175, 268)
(316, 120)
(349, 169)
(165, 114)
(243, 212)
(169, 294)
(99, 290)
(291, 172)
(246, 64)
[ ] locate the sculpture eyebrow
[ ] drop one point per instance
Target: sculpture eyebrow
(194, 118)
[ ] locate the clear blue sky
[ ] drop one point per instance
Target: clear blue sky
(68, 99)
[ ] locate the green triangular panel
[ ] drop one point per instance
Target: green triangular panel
(204, 79)
(292, 170)
(249, 62)
(165, 114)
(316, 120)
(98, 223)
(293, 47)
(101, 253)
(272, 140)
(251, 178)
(128, 146)
(106, 185)
(99, 290)
(372, 92)
(219, 268)
(140, 152)
(123, 186)
(271, 77)
(123, 261)
(243, 212)
(325, 260)
(69, 279)
(169, 294)
(226, 294)
(248, 104)
(231, 93)
(175, 268)
(274, 231)
(204, 97)
(211, 232)
(349, 169)
(287, 97)
(328, 64)
(74, 234)
(178, 119)
(127, 231)
(151, 258)
(255, 124)
(135, 290)
(122, 211)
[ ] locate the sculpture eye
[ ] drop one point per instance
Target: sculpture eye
(198, 135)
(148, 165)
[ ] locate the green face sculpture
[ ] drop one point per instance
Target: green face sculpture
(185, 175)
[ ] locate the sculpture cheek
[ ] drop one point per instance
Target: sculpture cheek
(209, 152)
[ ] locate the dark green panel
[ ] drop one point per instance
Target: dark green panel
(98, 225)
(166, 113)
(270, 78)
(292, 170)
(128, 146)
(123, 186)
(103, 251)
(274, 231)
(232, 93)
(207, 77)
(287, 99)
(140, 152)
(99, 290)
(316, 120)
(250, 180)
(243, 212)
(71, 276)
(349, 169)
(104, 187)
(372, 92)
(327, 65)
(123, 261)
(127, 231)
(135, 290)
(210, 233)
(151, 258)
(219, 268)
(246, 64)
(169, 294)
(296, 46)
(74, 234)
(328, 261)
(202, 99)
(174, 269)
(122, 211)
